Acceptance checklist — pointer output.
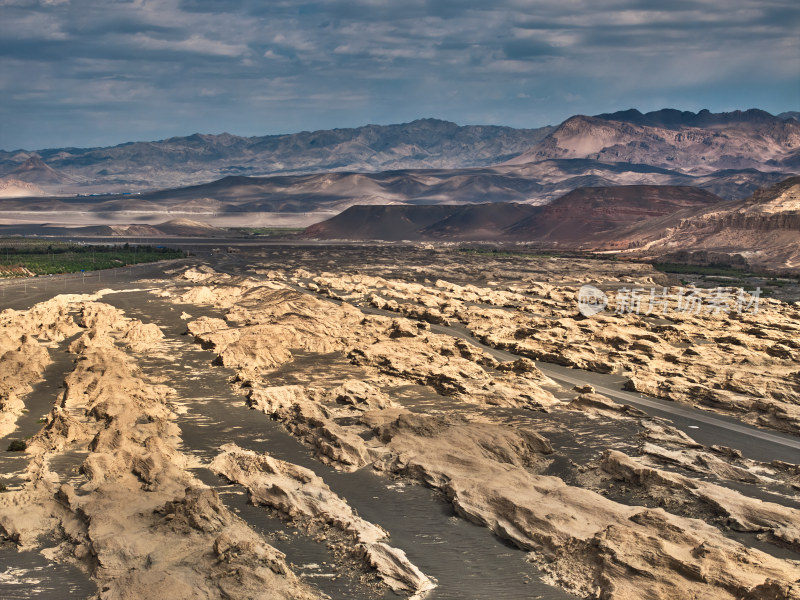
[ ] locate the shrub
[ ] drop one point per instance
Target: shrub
(17, 446)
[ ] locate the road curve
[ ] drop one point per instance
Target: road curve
(574, 377)
(705, 427)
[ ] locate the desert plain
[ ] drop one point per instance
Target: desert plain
(396, 421)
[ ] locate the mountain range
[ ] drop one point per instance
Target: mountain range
(651, 184)
(430, 161)
(200, 158)
(692, 143)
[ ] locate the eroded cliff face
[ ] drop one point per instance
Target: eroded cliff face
(758, 222)
(301, 495)
(24, 336)
(764, 230)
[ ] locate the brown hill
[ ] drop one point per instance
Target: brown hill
(763, 230)
(201, 205)
(569, 220)
(137, 230)
(36, 171)
(586, 212)
(189, 228)
(479, 221)
(380, 222)
(421, 222)
(175, 228)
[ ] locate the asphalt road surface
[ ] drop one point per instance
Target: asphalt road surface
(705, 427)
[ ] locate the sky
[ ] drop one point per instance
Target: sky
(87, 73)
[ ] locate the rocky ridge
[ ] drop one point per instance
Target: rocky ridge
(425, 143)
(490, 472)
(299, 494)
(135, 519)
(701, 143)
(717, 354)
(762, 230)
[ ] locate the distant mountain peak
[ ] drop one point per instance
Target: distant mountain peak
(672, 118)
(34, 161)
(432, 121)
(35, 170)
(692, 143)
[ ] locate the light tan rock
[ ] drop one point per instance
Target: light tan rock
(362, 395)
(138, 521)
(743, 513)
(306, 418)
(299, 494)
(585, 542)
(600, 404)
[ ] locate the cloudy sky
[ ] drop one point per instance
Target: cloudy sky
(102, 72)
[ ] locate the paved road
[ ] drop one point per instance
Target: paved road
(704, 427)
(772, 445)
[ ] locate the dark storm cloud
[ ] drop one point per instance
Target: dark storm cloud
(98, 72)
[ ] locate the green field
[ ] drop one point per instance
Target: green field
(783, 287)
(713, 270)
(531, 253)
(22, 257)
(267, 231)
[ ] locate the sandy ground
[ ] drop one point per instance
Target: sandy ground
(388, 366)
(238, 219)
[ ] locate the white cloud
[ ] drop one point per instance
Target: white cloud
(194, 43)
(273, 64)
